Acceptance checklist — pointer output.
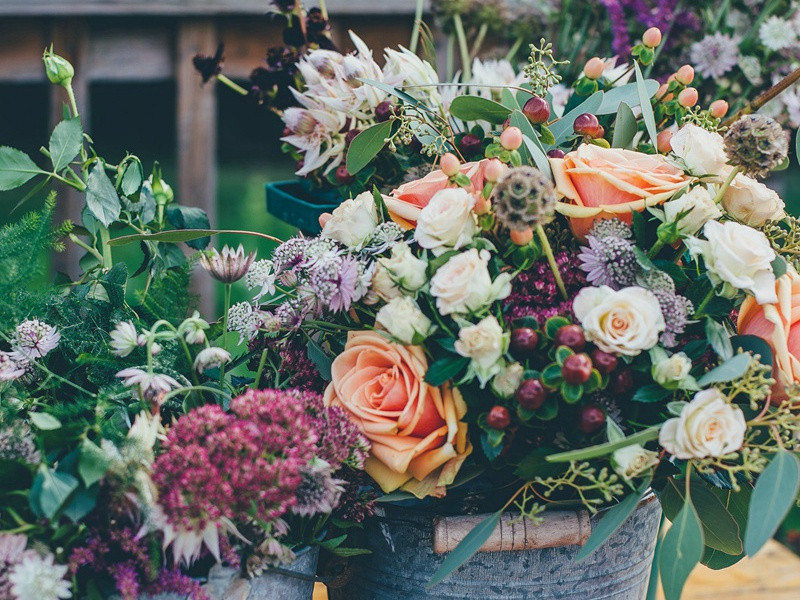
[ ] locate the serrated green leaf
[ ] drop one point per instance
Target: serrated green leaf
(65, 143)
(16, 168)
(551, 376)
(101, 196)
(681, 550)
(644, 101)
(625, 127)
(562, 353)
(476, 108)
(93, 462)
(553, 324)
(467, 548)
(366, 146)
(44, 421)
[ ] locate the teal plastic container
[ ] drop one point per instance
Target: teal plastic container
(297, 203)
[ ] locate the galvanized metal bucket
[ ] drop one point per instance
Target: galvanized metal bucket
(403, 560)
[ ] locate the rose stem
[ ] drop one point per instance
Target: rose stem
(551, 259)
(704, 303)
(724, 187)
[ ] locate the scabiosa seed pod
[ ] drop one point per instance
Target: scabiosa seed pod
(757, 144)
(524, 197)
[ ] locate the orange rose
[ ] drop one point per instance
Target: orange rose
(779, 325)
(409, 199)
(603, 183)
(418, 439)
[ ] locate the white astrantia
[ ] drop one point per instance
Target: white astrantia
(701, 151)
(10, 368)
(151, 385)
(193, 329)
(751, 202)
(261, 277)
(211, 358)
(123, 339)
(38, 577)
(404, 320)
(447, 222)
(34, 339)
(737, 257)
(405, 269)
(463, 284)
(709, 425)
(353, 221)
(484, 344)
(694, 208)
(631, 461)
(776, 34)
(627, 321)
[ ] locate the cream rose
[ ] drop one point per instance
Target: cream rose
(353, 221)
(463, 283)
(702, 151)
(631, 461)
(700, 206)
(404, 320)
(707, 426)
(738, 257)
(626, 322)
(506, 382)
(670, 371)
(484, 344)
(751, 202)
(406, 270)
(447, 222)
(383, 284)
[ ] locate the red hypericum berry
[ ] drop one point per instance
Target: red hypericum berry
(531, 394)
(343, 176)
(498, 418)
(537, 110)
(591, 418)
(469, 145)
(556, 153)
(586, 124)
(524, 341)
(351, 135)
(570, 336)
(603, 361)
(622, 382)
(577, 369)
(384, 111)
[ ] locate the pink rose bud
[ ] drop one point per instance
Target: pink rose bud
(652, 37)
(718, 109)
(664, 141)
(511, 138)
(688, 97)
(450, 165)
(521, 236)
(482, 205)
(594, 67)
(324, 218)
(685, 75)
(494, 170)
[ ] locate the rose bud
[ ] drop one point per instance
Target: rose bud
(521, 237)
(652, 37)
(511, 138)
(343, 176)
(604, 361)
(556, 153)
(664, 141)
(594, 67)
(470, 144)
(570, 336)
(577, 369)
(531, 394)
(449, 164)
(685, 75)
(524, 341)
(591, 418)
(688, 97)
(718, 108)
(494, 170)
(537, 110)
(498, 418)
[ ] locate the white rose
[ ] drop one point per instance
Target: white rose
(631, 461)
(447, 222)
(739, 257)
(702, 151)
(353, 221)
(383, 284)
(707, 426)
(508, 379)
(752, 202)
(463, 283)
(626, 322)
(701, 207)
(669, 371)
(484, 344)
(404, 320)
(406, 270)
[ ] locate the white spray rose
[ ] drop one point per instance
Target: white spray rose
(508, 379)
(626, 322)
(631, 461)
(463, 283)
(707, 426)
(701, 207)
(404, 320)
(353, 221)
(383, 284)
(702, 151)
(670, 371)
(739, 258)
(752, 202)
(447, 222)
(484, 344)
(406, 270)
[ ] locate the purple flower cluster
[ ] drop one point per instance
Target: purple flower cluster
(619, 27)
(341, 443)
(646, 13)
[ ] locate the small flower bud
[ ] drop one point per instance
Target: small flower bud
(511, 138)
(688, 97)
(350, 136)
(343, 176)
(594, 67)
(652, 37)
(718, 109)
(556, 153)
(58, 69)
(384, 111)
(664, 141)
(685, 75)
(521, 237)
(450, 165)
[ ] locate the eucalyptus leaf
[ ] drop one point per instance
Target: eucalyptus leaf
(532, 143)
(625, 127)
(681, 550)
(16, 168)
(731, 369)
(65, 143)
(93, 462)
(467, 548)
(51, 490)
(476, 108)
(644, 101)
(642, 437)
(44, 421)
(562, 128)
(404, 96)
(366, 146)
(101, 196)
(628, 94)
(320, 358)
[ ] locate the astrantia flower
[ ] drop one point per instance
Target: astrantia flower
(151, 385)
(715, 55)
(288, 259)
(193, 329)
(229, 265)
(261, 276)
(244, 320)
(776, 33)
(10, 367)
(124, 339)
(677, 309)
(318, 492)
(757, 144)
(40, 578)
(211, 358)
(35, 339)
(17, 444)
(270, 553)
(338, 282)
(524, 197)
(609, 260)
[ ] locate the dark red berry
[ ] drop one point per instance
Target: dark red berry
(591, 418)
(531, 394)
(498, 418)
(343, 176)
(469, 145)
(570, 336)
(577, 369)
(586, 124)
(622, 382)
(384, 111)
(556, 153)
(537, 110)
(351, 135)
(603, 361)
(523, 342)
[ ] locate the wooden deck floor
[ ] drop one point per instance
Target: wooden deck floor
(774, 574)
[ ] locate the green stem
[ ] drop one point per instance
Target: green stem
(449, 51)
(261, 364)
(512, 52)
(104, 239)
(655, 249)
(724, 187)
(189, 359)
(225, 326)
(466, 68)
(476, 45)
(93, 251)
(412, 45)
(232, 84)
(72, 104)
(551, 259)
(702, 306)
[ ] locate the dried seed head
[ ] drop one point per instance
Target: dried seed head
(524, 197)
(757, 144)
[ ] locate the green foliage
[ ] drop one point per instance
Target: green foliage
(168, 296)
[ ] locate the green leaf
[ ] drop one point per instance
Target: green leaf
(44, 421)
(755, 345)
(93, 462)
(467, 548)
(65, 143)
(562, 128)
(611, 521)
(50, 491)
(650, 393)
(625, 127)
(644, 101)
(132, 178)
(101, 196)
(189, 217)
(553, 324)
(405, 97)
(628, 93)
(773, 496)
(475, 108)
(613, 431)
(779, 266)
(797, 146)
(445, 369)
(681, 550)
(642, 437)
(551, 376)
(532, 143)
(728, 371)
(719, 339)
(366, 146)
(80, 504)
(320, 359)
(16, 168)
(571, 393)
(562, 353)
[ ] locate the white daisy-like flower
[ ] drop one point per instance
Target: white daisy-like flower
(39, 578)
(10, 367)
(124, 339)
(151, 385)
(715, 55)
(261, 275)
(210, 358)
(193, 329)
(776, 34)
(35, 339)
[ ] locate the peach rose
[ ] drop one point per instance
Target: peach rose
(594, 178)
(406, 202)
(779, 325)
(419, 441)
